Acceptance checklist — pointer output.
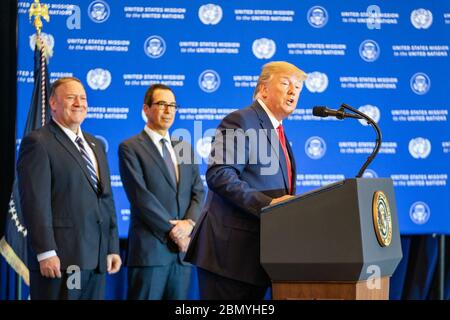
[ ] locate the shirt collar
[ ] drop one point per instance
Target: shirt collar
(72, 135)
(156, 136)
(272, 118)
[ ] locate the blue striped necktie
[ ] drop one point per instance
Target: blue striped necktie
(168, 161)
(88, 162)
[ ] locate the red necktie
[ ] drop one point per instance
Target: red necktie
(286, 155)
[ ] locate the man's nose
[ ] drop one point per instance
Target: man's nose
(291, 89)
(78, 101)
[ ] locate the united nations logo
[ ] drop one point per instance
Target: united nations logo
(419, 148)
(317, 17)
(204, 147)
(209, 81)
(98, 11)
(369, 50)
(316, 82)
(382, 219)
(264, 48)
(371, 111)
(369, 174)
(49, 41)
(105, 142)
(98, 79)
(421, 18)
(210, 14)
(315, 147)
(419, 212)
(154, 47)
(420, 83)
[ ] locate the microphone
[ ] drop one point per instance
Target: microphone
(341, 114)
(323, 112)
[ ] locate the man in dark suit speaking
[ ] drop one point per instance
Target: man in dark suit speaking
(66, 198)
(251, 166)
(166, 194)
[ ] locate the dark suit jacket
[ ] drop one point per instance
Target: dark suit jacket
(155, 199)
(226, 239)
(62, 211)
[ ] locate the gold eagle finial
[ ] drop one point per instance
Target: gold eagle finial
(38, 10)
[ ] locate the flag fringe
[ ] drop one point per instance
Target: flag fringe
(14, 261)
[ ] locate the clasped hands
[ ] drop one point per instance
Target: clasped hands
(180, 233)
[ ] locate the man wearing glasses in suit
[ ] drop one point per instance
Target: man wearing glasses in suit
(166, 195)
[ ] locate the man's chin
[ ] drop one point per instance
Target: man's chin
(76, 122)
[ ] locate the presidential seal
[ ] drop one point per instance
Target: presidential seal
(382, 219)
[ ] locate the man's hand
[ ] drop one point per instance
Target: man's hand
(113, 263)
(181, 229)
(183, 244)
(50, 267)
(281, 199)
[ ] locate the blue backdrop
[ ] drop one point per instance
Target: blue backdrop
(389, 60)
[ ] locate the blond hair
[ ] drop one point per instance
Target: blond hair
(276, 67)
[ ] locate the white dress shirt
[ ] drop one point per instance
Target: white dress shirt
(272, 118)
(72, 136)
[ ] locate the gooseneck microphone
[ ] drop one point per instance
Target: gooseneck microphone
(321, 111)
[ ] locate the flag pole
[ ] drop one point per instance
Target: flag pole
(441, 267)
(19, 287)
(13, 245)
(37, 11)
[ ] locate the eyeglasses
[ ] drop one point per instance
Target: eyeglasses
(163, 105)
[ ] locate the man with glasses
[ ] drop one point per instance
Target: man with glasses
(166, 196)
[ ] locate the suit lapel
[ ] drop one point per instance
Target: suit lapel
(71, 149)
(265, 123)
(183, 168)
(151, 149)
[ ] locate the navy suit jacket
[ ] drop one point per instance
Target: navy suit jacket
(61, 208)
(226, 239)
(155, 199)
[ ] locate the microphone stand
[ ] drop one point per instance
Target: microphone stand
(377, 141)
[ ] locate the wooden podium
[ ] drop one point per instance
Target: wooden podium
(338, 242)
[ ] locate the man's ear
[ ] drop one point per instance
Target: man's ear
(146, 109)
(52, 103)
(264, 91)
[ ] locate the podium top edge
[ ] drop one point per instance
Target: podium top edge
(325, 188)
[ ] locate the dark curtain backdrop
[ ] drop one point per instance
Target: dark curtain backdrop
(415, 278)
(8, 69)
